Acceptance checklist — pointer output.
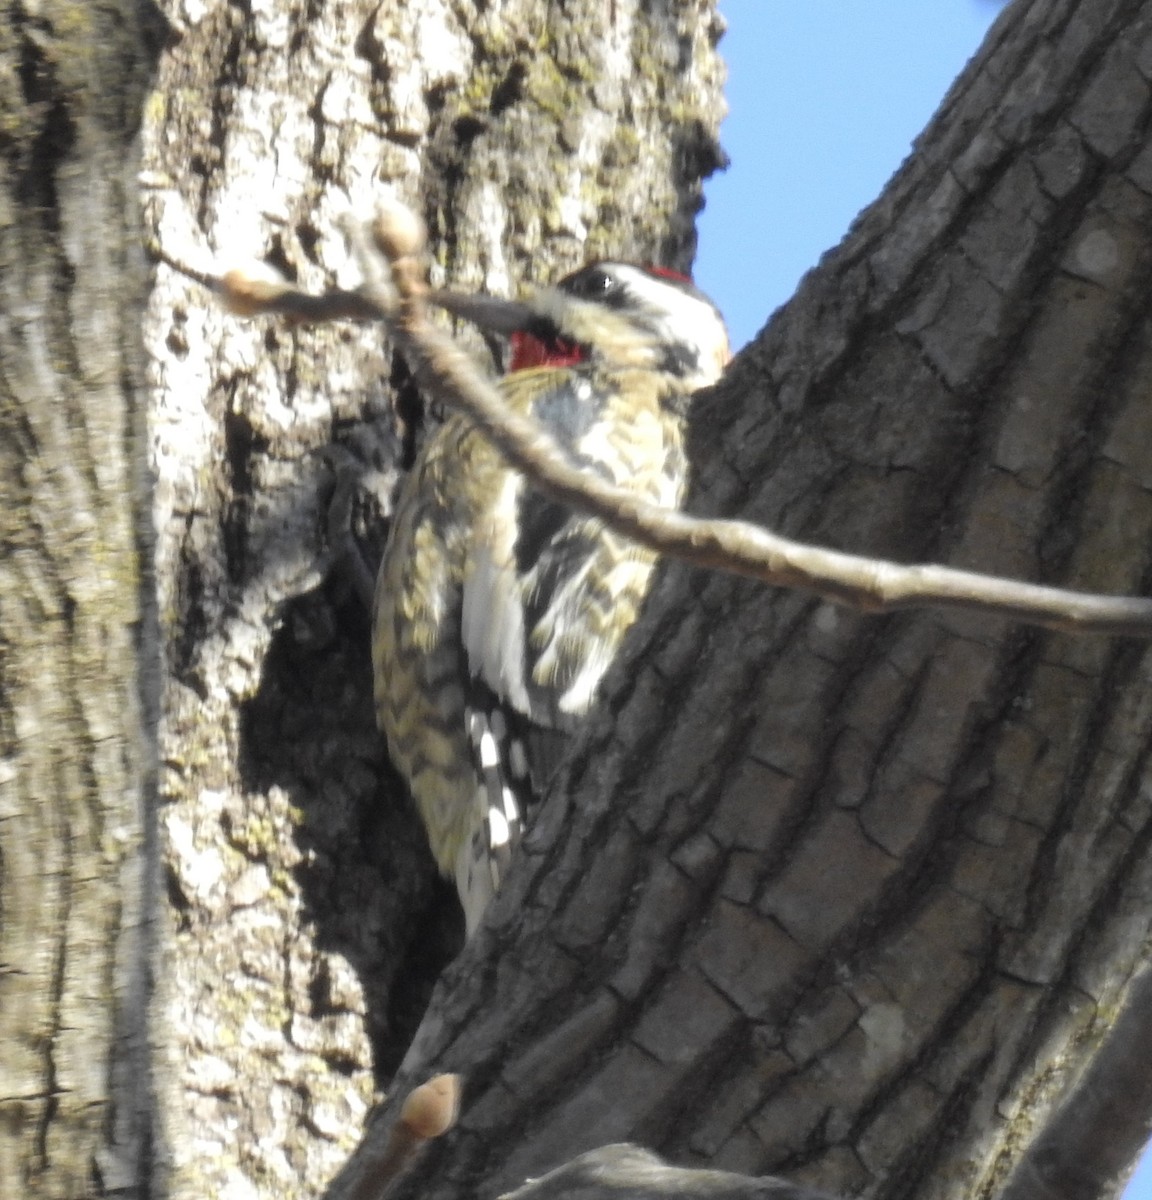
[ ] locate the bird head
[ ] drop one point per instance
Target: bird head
(617, 314)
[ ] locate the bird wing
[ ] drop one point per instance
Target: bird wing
(548, 592)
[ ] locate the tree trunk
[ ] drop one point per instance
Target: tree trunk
(848, 899)
(308, 921)
(852, 900)
(78, 647)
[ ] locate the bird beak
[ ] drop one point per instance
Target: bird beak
(502, 317)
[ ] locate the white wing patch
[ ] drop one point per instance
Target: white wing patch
(492, 623)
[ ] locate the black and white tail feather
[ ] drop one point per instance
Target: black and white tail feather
(502, 770)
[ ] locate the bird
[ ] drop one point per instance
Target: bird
(498, 611)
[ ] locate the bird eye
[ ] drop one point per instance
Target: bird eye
(591, 283)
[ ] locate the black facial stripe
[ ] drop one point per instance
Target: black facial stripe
(594, 283)
(680, 360)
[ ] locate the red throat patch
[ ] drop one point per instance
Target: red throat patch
(529, 351)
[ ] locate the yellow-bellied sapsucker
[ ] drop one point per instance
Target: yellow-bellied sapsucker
(497, 610)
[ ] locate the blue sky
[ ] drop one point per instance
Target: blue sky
(825, 97)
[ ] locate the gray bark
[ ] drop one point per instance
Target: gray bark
(307, 922)
(78, 647)
(854, 900)
(851, 901)
(1087, 1147)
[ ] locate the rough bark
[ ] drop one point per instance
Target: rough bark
(1086, 1148)
(854, 900)
(307, 922)
(78, 649)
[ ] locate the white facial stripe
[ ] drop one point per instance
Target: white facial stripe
(686, 319)
(659, 314)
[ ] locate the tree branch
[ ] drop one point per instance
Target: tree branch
(429, 1111)
(394, 292)
(623, 1171)
(1089, 1146)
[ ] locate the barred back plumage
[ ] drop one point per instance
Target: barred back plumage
(498, 610)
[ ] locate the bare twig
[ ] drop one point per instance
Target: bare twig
(247, 295)
(429, 1112)
(399, 297)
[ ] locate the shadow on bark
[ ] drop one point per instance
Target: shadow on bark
(368, 880)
